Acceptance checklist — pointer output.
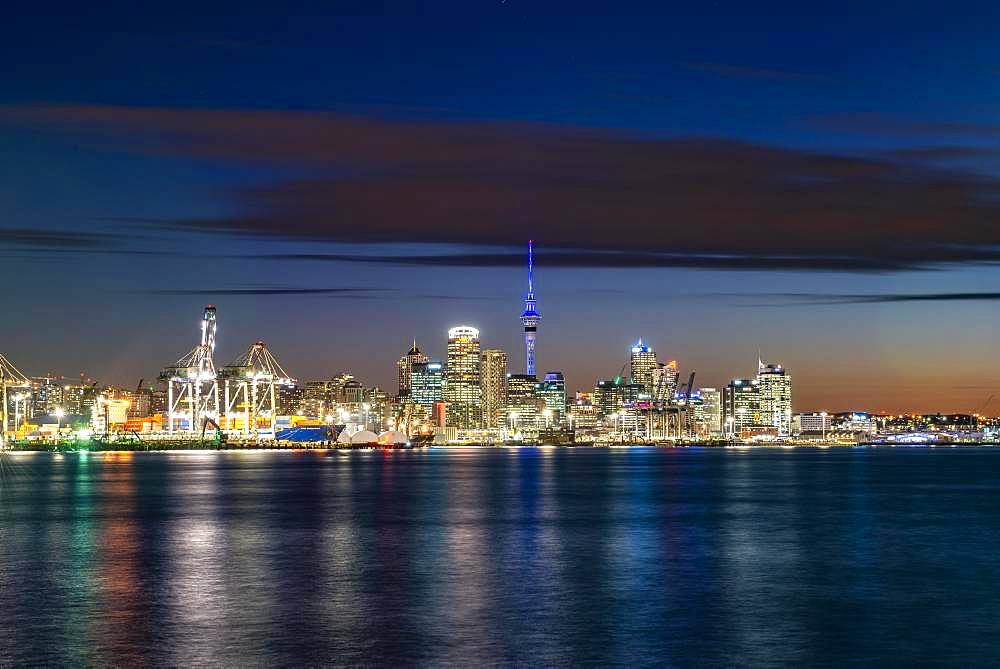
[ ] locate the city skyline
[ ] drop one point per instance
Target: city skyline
(711, 179)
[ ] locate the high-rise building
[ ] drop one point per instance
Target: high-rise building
(665, 380)
(711, 411)
(530, 317)
(642, 365)
(494, 385)
(403, 366)
(352, 392)
(289, 399)
(553, 392)
(741, 406)
(523, 405)
(462, 389)
(316, 400)
(610, 397)
(426, 382)
(775, 397)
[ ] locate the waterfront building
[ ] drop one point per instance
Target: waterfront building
(711, 412)
(665, 379)
(524, 406)
(642, 366)
(775, 397)
(462, 379)
(494, 385)
(582, 414)
(530, 316)
(741, 407)
(403, 366)
(816, 422)
(552, 391)
(610, 397)
(426, 383)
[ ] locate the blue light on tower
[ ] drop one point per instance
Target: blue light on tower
(530, 316)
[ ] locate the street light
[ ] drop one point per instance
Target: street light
(59, 415)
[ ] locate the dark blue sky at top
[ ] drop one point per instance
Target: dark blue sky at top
(868, 81)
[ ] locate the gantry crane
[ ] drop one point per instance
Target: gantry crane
(192, 384)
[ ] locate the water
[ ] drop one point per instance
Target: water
(471, 557)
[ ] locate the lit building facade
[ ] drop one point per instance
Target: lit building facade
(462, 380)
(741, 406)
(552, 392)
(642, 366)
(403, 365)
(610, 397)
(711, 411)
(775, 397)
(665, 380)
(494, 386)
(524, 406)
(426, 383)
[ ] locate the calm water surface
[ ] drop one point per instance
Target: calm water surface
(572, 556)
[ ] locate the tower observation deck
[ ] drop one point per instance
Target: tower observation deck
(530, 317)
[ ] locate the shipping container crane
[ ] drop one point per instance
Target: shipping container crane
(192, 384)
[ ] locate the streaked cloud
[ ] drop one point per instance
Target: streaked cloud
(603, 198)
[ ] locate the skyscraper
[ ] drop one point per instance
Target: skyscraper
(403, 366)
(553, 392)
(426, 382)
(530, 317)
(665, 379)
(462, 389)
(711, 411)
(775, 397)
(642, 365)
(494, 385)
(524, 406)
(740, 406)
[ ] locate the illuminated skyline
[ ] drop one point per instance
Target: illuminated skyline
(817, 182)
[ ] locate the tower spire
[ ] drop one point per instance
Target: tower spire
(530, 316)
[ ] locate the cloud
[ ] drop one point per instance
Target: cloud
(333, 292)
(601, 198)
(51, 240)
(583, 259)
(882, 125)
(881, 298)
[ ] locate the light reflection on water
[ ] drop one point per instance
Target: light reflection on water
(505, 556)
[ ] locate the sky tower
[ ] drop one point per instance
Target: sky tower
(530, 317)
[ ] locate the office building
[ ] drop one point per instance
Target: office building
(552, 392)
(426, 383)
(741, 406)
(711, 412)
(775, 397)
(403, 366)
(462, 378)
(494, 386)
(642, 366)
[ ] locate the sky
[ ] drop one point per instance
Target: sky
(816, 181)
